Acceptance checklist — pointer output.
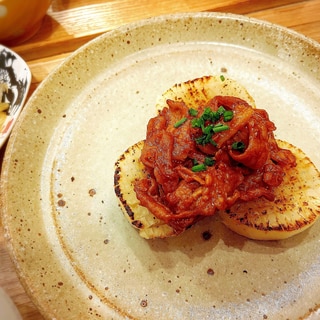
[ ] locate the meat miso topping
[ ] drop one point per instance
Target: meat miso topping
(202, 160)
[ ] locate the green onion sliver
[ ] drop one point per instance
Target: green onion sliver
(209, 161)
(180, 122)
(197, 123)
(199, 167)
(221, 110)
(238, 145)
(228, 115)
(193, 112)
(220, 127)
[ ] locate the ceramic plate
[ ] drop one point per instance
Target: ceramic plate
(15, 73)
(74, 251)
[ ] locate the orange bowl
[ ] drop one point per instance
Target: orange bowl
(21, 19)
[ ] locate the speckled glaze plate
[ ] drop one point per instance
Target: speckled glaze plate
(74, 251)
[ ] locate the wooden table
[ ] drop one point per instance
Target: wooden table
(70, 24)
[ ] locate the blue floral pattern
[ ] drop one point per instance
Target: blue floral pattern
(16, 74)
(17, 82)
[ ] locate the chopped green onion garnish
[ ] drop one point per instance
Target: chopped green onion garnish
(197, 123)
(193, 112)
(207, 122)
(213, 143)
(238, 145)
(207, 114)
(221, 110)
(220, 127)
(208, 129)
(222, 78)
(204, 139)
(180, 122)
(209, 161)
(215, 116)
(199, 167)
(228, 115)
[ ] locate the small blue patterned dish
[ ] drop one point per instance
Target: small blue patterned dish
(15, 80)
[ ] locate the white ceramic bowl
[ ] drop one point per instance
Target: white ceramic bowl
(8, 309)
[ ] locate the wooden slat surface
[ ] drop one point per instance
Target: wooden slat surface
(66, 28)
(70, 24)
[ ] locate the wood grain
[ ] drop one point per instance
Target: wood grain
(70, 24)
